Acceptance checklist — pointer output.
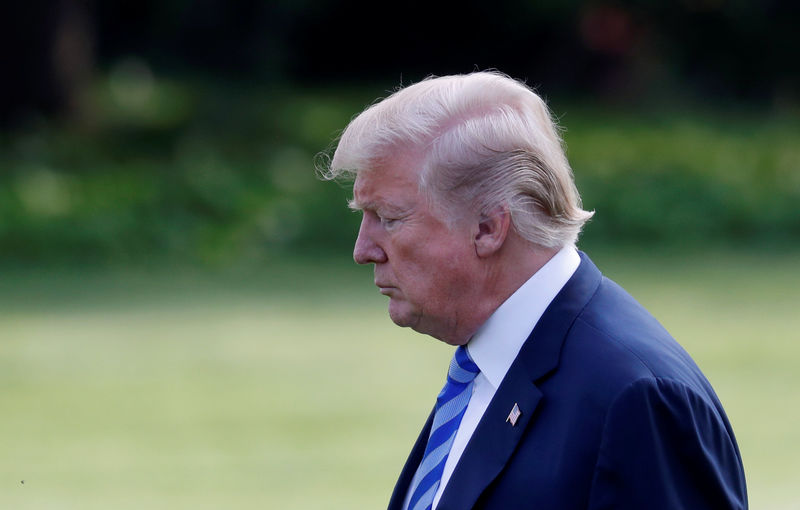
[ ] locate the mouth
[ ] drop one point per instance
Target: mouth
(384, 289)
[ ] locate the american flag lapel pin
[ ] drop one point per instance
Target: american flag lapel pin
(514, 415)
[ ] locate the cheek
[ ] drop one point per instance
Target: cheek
(440, 274)
(431, 262)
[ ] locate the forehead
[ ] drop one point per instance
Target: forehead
(390, 182)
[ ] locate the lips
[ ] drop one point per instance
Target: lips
(384, 288)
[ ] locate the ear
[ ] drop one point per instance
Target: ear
(492, 231)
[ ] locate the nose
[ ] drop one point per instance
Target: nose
(366, 250)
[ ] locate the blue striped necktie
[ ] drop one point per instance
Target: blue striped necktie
(450, 406)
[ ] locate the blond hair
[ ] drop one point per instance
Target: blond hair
(484, 140)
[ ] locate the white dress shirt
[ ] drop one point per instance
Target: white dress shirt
(498, 341)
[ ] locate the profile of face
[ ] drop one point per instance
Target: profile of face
(424, 264)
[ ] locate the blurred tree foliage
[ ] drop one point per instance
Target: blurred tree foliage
(139, 132)
(222, 174)
(198, 173)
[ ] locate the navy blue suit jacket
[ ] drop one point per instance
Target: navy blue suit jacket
(615, 415)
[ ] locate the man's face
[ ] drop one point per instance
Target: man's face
(426, 267)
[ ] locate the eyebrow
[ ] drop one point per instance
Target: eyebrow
(354, 205)
(375, 206)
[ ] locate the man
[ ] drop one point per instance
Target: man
(564, 393)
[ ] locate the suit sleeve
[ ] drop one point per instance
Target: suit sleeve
(666, 447)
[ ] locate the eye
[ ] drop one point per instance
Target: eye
(388, 222)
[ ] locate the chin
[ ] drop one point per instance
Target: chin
(401, 320)
(402, 315)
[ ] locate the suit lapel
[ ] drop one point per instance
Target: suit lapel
(493, 442)
(495, 438)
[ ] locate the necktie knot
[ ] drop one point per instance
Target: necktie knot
(462, 368)
(460, 375)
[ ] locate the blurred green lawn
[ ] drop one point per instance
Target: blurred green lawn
(291, 389)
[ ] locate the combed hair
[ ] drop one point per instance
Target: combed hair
(484, 141)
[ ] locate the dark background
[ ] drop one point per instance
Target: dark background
(717, 50)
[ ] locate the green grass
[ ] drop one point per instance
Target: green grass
(291, 389)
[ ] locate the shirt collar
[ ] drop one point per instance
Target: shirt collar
(498, 341)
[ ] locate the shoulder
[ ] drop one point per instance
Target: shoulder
(617, 331)
(614, 345)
